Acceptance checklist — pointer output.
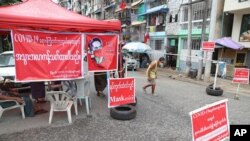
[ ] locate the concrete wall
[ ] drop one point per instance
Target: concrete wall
(234, 5)
(173, 27)
(218, 24)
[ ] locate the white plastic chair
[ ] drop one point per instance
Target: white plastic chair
(78, 90)
(83, 87)
(12, 107)
(59, 101)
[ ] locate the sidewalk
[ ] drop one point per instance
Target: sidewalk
(225, 84)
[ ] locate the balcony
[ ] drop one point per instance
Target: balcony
(157, 28)
(235, 6)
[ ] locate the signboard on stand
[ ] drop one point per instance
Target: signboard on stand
(121, 91)
(208, 46)
(241, 75)
(42, 56)
(210, 122)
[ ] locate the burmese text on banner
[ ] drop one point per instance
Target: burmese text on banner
(46, 55)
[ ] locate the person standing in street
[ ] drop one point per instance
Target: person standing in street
(152, 74)
(100, 79)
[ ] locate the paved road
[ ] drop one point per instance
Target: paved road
(162, 118)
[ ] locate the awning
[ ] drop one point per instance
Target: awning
(109, 6)
(136, 3)
(47, 15)
(98, 11)
(136, 23)
(228, 42)
(161, 8)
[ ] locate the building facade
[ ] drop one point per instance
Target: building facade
(240, 10)
(197, 20)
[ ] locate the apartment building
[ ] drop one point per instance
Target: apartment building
(197, 20)
(237, 12)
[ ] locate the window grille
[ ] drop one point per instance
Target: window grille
(196, 44)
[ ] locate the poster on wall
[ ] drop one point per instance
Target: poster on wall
(41, 56)
(101, 52)
(121, 91)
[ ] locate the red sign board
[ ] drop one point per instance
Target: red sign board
(41, 56)
(208, 46)
(210, 123)
(121, 91)
(241, 75)
(101, 52)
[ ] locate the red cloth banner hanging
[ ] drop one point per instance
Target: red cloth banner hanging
(241, 75)
(43, 56)
(121, 91)
(101, 52)
(210, 123)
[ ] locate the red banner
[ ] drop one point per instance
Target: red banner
(241, 75)
(101, 52)
(208, 46)
(121, 91)
(47, 56)
(210, 123)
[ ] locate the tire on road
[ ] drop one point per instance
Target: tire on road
(124, 112)
(214, 92)
(133, 104)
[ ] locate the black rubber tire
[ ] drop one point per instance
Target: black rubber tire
(217, 92)
(124, 112)
(133, 104)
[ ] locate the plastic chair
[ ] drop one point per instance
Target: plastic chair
(59, 101)
(83, 86)
(78, 90)
(12, 107)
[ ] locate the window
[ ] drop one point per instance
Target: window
(176, 18)
(158, 44)
(245, 29)
(240, 58)
(197, 12)
(170, 18)
(196, 44)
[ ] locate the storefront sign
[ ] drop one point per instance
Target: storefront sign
(101, 52)
(210, 123)
(43, 56)
(208, 46)
(241, 75)
(121, 91)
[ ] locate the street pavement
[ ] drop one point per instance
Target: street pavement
(162, 118)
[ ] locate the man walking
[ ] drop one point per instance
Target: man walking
(151, 74)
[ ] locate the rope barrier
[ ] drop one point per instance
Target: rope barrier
(170, 54)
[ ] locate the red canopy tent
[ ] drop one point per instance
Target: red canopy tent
(45, 14)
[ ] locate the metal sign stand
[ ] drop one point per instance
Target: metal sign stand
(236, 96)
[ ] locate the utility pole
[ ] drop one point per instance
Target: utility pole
(211, 38)
(203, 36)
(188, 61)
